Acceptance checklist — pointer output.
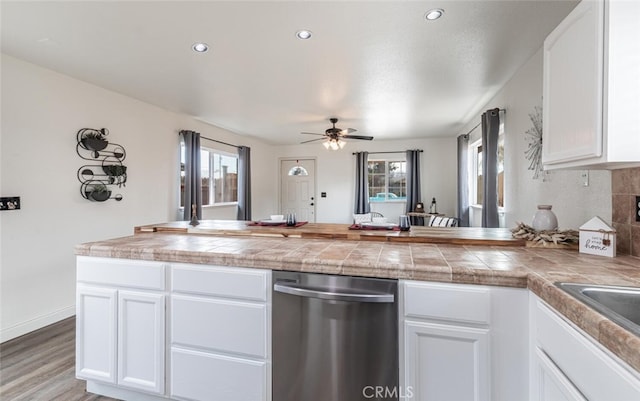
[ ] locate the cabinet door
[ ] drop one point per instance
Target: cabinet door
(96, 310)
(549, 383)
(204, 376)
(573, 86)
(446, 362)
(141, 341)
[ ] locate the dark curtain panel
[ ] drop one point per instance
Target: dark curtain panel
(490, 130)
(362, 183)
(192, 174)
(463, 181)
(244, 183)
(413, 179)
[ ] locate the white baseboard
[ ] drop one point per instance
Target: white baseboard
(36, 323)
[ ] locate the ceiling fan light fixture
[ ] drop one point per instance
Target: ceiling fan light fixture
(434, 14)
(304, 34)
(334, 144)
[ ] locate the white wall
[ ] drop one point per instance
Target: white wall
(572, 203)
(336, 172)
(41, 113)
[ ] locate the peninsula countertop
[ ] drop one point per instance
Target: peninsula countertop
(533, 268)
(417, 234)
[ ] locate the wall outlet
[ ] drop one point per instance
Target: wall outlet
(10, 203)
(637, 208)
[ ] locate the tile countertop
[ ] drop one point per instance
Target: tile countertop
(533, 268)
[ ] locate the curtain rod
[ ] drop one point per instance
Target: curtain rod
(480, 123)
(215, 140)
(224, 143)
(397, 151)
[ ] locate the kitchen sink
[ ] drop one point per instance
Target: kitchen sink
(620, 304)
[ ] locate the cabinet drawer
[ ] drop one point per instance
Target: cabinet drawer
(203, 376)
(221, 325)
(453, 302)
(251, 284)
(121, 272)
(585, 365)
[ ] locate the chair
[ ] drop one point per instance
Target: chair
(440, 221)
(362, 218)
(366, 217)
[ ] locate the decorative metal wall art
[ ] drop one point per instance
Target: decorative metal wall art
(98, 179)
(533, 136)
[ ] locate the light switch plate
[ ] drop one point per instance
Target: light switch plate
(10, 203)
(584, 176)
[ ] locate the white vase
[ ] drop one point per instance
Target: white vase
(544, 219)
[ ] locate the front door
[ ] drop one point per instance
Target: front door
(298, 188)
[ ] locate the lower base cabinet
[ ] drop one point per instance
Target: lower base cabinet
(568, 365)
(463, 342)
(207, 376)
(447, 362)
(220, 334)
(207, 332)
(120, 323)
(551, 384)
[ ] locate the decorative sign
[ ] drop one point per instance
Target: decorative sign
(598, 238)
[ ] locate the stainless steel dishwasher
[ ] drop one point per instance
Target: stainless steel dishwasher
(335, 338)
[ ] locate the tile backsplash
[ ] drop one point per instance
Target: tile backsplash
(625, 186)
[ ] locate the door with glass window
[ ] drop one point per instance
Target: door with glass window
(298, 188)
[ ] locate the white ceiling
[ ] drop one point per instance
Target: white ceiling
(379, 66)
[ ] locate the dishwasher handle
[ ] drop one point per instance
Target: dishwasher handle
(332, 294)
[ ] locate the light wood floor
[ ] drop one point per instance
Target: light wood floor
(40, 366)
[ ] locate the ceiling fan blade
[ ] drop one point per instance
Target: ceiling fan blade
(366, 138)
(311, 133)
(347, 131)
(312, 140)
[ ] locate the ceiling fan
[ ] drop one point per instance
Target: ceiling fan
(333, 137)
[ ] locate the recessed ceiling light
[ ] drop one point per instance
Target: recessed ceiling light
(434, 14)
(200, 47)
(303, 34)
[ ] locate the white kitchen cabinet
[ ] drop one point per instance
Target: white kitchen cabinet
(447, 362)
(96, 315)
(141, 340)
(463, 342)
(551, 384)
(120, 332)
(568, 365)
(220, 333)
(591, 89)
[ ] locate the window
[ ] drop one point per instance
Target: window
(475, 159)
(387, 180)
(219, 174)
(298, 170)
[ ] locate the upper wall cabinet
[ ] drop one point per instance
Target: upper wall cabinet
(591, 93)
